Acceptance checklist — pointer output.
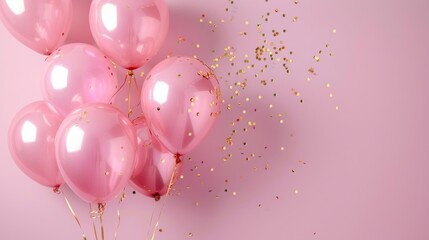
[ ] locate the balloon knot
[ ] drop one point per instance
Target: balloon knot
(56, 189)
(178, 160)
(157, 197)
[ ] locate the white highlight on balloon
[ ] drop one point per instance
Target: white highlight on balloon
(109, 16)
(160, 92)
(59, 76)
(74, 139)
(16, 6)
(28, 132)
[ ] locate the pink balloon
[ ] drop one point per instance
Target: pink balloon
(95, 148)
(41, 25)
(129, 31)
(31, 142)
(155, 165)
(78, 73)
(181, 101)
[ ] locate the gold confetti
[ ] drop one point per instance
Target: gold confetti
(317, 58)
(229, 140)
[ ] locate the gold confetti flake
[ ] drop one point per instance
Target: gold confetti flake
(205, 75)
(317, 58)
(229, 140)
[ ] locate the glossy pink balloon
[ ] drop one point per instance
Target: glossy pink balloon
(130, 32)
(31, 142)
(155, 165)
(95, 148)
(78, 73)
(181, 101)
(41, 25)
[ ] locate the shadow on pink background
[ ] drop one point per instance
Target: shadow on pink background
(359, 172)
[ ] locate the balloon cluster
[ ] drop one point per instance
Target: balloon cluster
(76, 136)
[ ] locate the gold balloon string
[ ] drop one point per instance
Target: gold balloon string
(164, 201)
(93, 215)
(57, 190)
(119, 89)
(121, 199)
(101, 207)
(130, 75)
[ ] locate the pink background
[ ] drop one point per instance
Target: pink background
(365, 173)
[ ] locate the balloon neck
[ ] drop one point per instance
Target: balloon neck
(101, 207)
(130, 73)
(56, 189)
(178, 160)
(157, 197)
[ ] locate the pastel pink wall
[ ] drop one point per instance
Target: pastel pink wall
(365, 172)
